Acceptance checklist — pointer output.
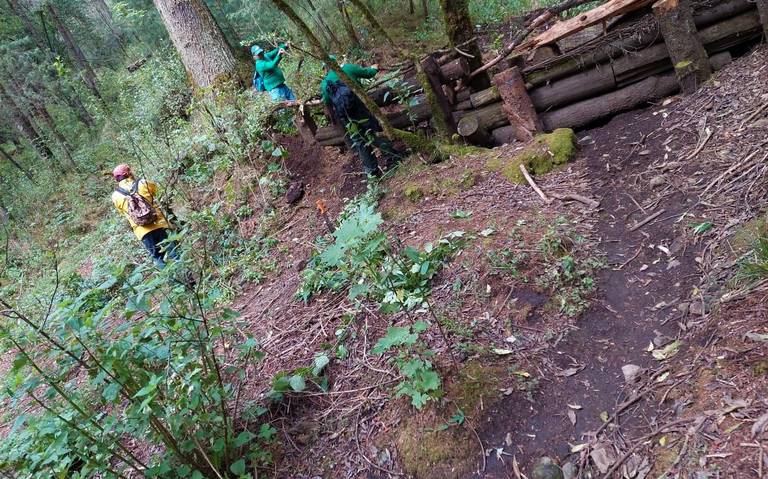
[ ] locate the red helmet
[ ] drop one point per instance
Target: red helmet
(121, 171)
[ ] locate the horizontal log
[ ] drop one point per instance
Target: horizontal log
(503, 135)
(578, 87)
(568, 64)
(333, 135)
(585, 112)
(597, 15)
(489, 117)
(709, 16)
(634, 67)
(731, 32)
(478, 99)
(455, 70)
(473, 131)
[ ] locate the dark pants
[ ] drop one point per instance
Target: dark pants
(361, 137)
(365, 149)
(158, 252)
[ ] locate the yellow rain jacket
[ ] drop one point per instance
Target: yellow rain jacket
(148, 190)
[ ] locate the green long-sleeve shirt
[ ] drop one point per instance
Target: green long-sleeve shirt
(355, 72)
(269, 70)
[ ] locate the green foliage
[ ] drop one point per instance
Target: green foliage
(420, 381)
(755, 267)
(153, 374)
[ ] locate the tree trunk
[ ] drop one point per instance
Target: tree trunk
(762, 7)
(105, 14)
(411, 7)
(24, 125)
(25, 171)
(460, 30)
(371, 18)
(318, 18)
(76, 54)
(351, 33)
(30, 27)
(425, 8)
(683, 43)
(203, 49)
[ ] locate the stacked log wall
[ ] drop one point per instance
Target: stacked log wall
(575, 90)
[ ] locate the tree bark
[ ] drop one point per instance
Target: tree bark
(24, 125)
(762, 8)
(16, 164)
(351, 33)
(371, 18)
(201, 45)
(683, 43)
(585, 112)
(517, 103)
(75, 53)
(425, 8)
(30, 27)
(460, 29)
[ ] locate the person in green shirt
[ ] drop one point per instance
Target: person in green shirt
(348, 111)
(267, 66)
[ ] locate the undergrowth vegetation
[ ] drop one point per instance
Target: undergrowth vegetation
(363, 259)
(131, 357)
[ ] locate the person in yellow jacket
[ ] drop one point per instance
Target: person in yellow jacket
(150, 235)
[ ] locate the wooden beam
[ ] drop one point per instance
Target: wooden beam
(516, 103)
(683, 42)
(576, 24)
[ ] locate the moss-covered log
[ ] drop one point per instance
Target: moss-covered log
(460, 31)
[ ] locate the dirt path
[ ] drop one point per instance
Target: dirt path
(627, 312)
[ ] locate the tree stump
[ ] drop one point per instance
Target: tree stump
(516, 103)
(762, 7)
(683, 43)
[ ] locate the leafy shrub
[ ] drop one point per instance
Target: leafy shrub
(138, 358)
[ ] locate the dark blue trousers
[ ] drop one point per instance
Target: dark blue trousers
(158, 252)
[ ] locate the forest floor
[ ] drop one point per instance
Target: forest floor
(539, 376)
(541, 354)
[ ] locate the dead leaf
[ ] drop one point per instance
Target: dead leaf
(667, 351)
(566, 373)
(603, 456)
(575, 407)
(604, 416)
(762, 338)
(578, 447)
(759, 426)
(502, 352)
(572, 416)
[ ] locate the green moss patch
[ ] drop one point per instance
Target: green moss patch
(746, 235)
(433, 450)
(546, 153)
(414, 193)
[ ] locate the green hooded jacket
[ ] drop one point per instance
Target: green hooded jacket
(269, 70)
(355, 72)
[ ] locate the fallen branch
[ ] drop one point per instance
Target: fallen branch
(574, 197)
(647, 220)
(536, 23)
(534, 185)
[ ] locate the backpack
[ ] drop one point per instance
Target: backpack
(140, 210)
(258, 82)
(343, 101)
